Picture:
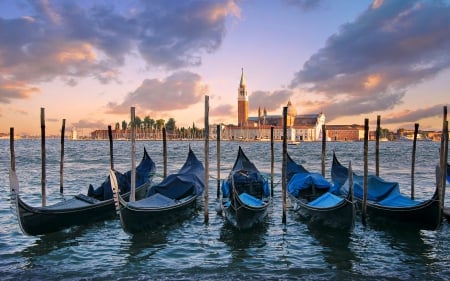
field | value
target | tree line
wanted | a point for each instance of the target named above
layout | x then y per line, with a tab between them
149	124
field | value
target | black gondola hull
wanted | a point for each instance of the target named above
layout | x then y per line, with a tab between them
426	215
42	220
340	216
244	217
136	220
173	200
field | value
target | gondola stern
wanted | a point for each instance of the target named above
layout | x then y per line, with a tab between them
20	207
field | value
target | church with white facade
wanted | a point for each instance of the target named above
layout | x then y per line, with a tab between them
303	127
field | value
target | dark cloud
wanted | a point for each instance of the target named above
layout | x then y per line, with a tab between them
372	61
178	91
52	120
175	33
305	5
223	110
73	40
414	115
15	90
89	124
334	108
269	100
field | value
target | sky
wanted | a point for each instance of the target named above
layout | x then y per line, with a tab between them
90	61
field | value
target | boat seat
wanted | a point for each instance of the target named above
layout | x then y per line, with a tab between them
250	200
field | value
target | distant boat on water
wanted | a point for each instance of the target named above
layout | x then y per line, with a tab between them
420	137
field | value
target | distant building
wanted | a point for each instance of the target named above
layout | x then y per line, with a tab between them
74	133
306	127
345	132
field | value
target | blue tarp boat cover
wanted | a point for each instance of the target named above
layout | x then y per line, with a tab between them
326	200
380	191
226	188
156	201
144	171
188	181
305	180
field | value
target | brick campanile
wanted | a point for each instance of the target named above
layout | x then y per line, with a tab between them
242	102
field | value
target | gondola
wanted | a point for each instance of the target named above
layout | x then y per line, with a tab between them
315	201
245	194
174	199
386	204
81	209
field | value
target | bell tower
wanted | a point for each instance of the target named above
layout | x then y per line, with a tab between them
242	102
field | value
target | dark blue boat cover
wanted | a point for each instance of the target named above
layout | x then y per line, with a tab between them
226	188
293	168
379	191
144	172
306	180
188	181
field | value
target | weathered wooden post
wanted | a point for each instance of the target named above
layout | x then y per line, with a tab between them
366	172
133	155
272	160
444	167
206	157
111	156
11	149
413	160
43	160
164	152
61	162
377	147
218	161
324	147
284	165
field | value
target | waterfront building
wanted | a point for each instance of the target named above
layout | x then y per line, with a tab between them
303	127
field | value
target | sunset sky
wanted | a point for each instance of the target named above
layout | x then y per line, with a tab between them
90	61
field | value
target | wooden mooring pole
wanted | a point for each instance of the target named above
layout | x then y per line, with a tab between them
324	148
164	152
218	161
133	155
365	186
377	146
444	167
206	158
111	149
61	162
11	149
284	164
413	160
43	160
272	160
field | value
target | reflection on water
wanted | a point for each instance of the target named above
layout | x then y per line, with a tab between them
144	246
239	240
336	248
